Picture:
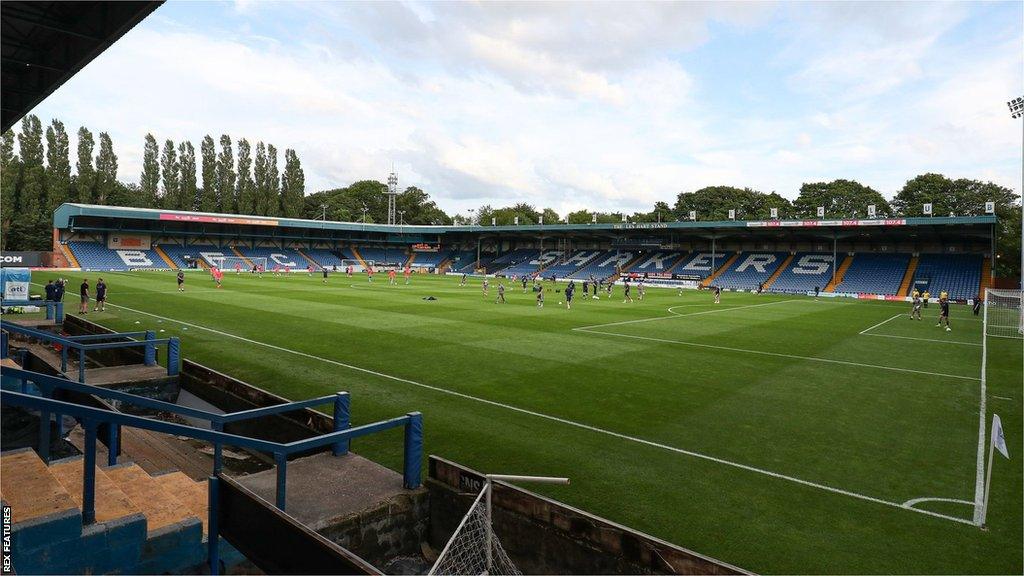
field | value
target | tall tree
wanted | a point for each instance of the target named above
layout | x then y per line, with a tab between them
106	175
262	201
226	177
293	186
840	198
149	181
85	178
171	171
187	180
206	199
31	225
273	183
10	172
245	188
58	166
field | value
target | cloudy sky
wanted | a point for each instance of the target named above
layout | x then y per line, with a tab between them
606	106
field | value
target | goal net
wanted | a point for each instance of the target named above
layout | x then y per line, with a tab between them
229	263
474	549
1003	317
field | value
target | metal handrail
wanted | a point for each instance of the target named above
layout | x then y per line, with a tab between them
92	418
47	384
150	342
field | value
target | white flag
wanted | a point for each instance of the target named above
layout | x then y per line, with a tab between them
998	440
732	214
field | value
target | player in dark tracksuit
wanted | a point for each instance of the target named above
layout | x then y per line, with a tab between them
569	291
977	304
101	296
944	313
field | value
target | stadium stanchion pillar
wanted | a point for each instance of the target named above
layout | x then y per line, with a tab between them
150	348
112	447
281	459
173	356
213	525
81	365
58	316
218	448
44	428
342	421
89	474
413	453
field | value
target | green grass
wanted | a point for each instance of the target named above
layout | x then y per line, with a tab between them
741	382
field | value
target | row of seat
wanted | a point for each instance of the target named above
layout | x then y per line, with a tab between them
957	274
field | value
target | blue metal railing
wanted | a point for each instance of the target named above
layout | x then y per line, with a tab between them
83	344
338	440
54	309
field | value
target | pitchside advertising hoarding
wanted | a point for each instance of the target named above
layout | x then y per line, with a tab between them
14	283
18	259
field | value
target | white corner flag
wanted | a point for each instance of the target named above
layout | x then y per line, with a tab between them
998	440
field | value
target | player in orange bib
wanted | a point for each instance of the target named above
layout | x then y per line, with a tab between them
408	273
391	276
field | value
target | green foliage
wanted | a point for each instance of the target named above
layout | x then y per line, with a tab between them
225	195
293	186
272	199
263	199
171	176
149	182
107	185
58	166
30	228
187	182
85	179
206	198
841	199
245	188
10	174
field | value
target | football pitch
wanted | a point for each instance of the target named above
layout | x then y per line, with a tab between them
777	433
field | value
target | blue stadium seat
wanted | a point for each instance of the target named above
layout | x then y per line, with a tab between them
324	257
570	263
701	263
530	265
807	270
604	266
96	256
177	252
750	269
657	262
871	273
958	274
283	257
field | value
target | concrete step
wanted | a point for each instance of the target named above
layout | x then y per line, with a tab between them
111	502
194	494
160	507
30	489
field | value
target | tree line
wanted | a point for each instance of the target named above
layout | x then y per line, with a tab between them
38	178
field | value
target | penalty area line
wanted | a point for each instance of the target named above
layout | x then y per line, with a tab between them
572	423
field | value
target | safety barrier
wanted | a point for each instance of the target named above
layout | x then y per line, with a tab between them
88	342
54	309
93	418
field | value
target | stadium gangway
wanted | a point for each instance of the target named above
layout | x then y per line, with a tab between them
93	418
54	308
85	343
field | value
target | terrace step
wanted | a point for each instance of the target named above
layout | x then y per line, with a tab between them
160	507
308	259
778	271
30	489
831	286
163	255
707	281
248	263
194	494
111	502
69	255
908	277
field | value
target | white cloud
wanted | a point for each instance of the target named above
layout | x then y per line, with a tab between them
564	105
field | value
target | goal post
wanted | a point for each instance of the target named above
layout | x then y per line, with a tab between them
474	548
1003	317
228	263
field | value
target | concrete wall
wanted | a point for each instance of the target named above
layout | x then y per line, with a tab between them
543	536
386	531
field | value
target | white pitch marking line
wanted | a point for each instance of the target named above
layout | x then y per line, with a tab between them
922	339
674	315
911	503
567	422
780	355
1001	397
880	323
